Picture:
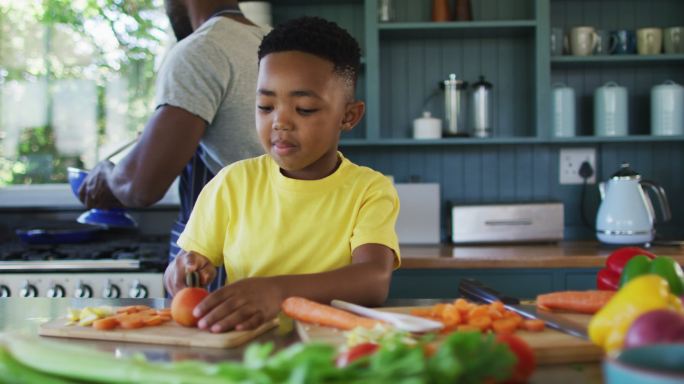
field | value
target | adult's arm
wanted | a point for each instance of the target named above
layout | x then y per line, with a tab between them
143	176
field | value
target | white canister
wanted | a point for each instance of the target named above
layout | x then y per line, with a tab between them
610	110
427	127
667	109
563	114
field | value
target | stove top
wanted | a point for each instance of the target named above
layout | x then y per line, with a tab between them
138	252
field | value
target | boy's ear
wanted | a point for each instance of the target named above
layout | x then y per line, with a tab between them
353	114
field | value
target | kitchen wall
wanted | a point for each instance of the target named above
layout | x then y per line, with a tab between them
476	174
405	59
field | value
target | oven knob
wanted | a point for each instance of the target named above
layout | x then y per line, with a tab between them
29	290
111	291
83	291
138	290
56	291
5	291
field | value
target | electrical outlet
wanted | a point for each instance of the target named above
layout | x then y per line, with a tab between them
570	161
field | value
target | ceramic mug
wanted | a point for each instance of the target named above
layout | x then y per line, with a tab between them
667	109
563	116
673	40
610	110
603	43
649	41
557	40
583	41
622	42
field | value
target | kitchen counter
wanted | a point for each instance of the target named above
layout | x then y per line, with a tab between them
544	255
25	315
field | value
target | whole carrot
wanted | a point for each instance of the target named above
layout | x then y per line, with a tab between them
575	301
309	311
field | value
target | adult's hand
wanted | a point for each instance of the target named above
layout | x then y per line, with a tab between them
95	192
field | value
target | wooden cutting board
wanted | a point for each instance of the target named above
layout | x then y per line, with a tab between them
549	346
169	333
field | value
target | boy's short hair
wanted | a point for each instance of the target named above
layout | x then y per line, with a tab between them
318	37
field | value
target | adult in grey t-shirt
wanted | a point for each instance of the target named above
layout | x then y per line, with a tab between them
212	74
204	118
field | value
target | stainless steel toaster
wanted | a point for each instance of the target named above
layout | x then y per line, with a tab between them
506	223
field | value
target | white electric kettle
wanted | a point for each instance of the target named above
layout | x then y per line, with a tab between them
626	214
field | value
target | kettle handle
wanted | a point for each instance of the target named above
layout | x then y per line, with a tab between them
659	192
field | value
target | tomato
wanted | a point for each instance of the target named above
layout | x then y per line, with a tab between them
355	353
526	363
618	258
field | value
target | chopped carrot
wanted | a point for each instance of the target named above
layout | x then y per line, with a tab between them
463	305
133	309
129	309
505	325
513	315
437	310
479	311
575	301
106	324
132	322
451	315
499	306
152	320
534	325
309	311
481	322
495	313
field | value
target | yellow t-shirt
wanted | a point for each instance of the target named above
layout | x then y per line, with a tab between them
261	223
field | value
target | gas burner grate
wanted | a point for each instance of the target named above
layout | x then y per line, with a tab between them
153	251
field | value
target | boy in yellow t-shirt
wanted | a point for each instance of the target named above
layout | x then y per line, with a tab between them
301	220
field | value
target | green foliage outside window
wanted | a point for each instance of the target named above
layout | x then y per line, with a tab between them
137	28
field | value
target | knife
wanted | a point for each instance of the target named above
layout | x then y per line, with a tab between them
477	291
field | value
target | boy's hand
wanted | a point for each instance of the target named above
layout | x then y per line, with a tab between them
174	277
243	305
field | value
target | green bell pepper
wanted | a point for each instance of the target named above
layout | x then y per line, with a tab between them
663	266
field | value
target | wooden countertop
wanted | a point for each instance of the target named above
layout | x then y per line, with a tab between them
546	255
22	315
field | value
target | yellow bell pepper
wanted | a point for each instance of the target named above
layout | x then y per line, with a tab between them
645	293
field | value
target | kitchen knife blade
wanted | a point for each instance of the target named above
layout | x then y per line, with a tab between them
476	290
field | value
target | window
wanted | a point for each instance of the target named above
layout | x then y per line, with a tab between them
76	82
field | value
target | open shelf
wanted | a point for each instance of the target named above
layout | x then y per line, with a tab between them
617	139
460	29
455	141
616	59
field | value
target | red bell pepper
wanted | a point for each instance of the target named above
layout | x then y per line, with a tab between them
619	258
608	278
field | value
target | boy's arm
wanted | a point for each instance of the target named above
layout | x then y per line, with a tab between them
365	281
247	303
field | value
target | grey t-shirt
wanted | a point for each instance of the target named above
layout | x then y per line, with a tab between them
212	73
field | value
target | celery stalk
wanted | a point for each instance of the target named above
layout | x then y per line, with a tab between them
80	363
13	372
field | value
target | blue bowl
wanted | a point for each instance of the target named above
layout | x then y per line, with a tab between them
109	218
76	177
650	364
